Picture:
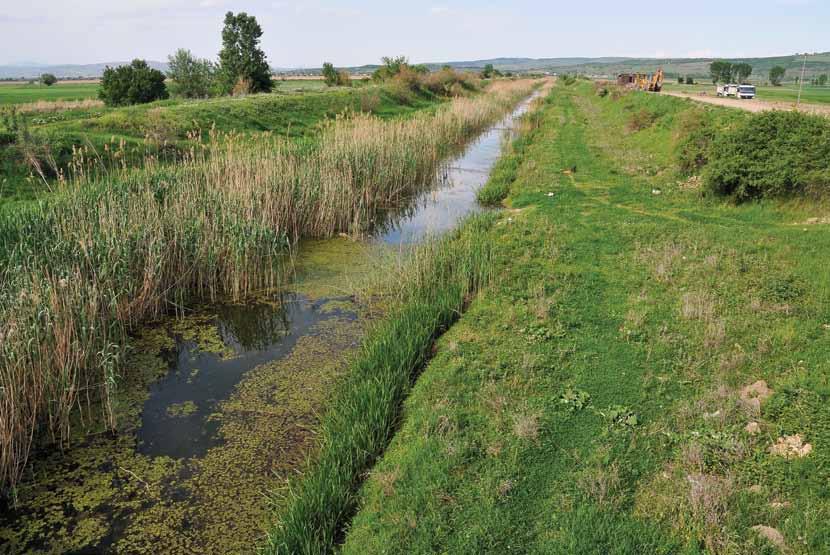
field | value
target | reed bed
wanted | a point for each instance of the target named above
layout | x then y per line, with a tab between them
78	271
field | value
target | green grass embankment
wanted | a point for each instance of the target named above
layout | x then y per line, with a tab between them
594	398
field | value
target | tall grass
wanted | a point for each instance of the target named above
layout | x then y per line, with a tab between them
440	277
79	270
45	106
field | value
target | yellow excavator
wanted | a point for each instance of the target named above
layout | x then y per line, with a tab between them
650	83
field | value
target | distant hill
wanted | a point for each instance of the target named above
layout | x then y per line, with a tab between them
611	66
605	66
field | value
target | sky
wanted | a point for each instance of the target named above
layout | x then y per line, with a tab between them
357	32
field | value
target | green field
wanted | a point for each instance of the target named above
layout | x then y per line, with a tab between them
785	93
594	399
19	93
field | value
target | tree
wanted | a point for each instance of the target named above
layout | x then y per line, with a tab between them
136	83
391	68
776	74
488	71
48	79
742	71
190	76
690	80
329	74
242	61
822	80
721	71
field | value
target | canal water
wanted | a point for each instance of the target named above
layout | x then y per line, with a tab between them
227	401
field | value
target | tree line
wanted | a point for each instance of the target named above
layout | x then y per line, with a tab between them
242	69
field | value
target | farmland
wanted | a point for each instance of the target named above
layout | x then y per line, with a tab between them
19	93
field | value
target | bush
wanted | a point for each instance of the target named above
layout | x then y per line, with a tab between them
771	155
344	78
136	83
48	79
190	76
400	92
329	74
696	131
567	80
641	119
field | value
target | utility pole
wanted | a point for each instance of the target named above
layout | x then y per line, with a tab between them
801	82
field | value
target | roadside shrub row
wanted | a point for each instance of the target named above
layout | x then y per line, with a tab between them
739	155
773	154
79	270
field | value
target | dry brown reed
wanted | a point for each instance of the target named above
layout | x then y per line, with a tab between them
46	106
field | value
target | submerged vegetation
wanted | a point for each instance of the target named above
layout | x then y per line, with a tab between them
105	254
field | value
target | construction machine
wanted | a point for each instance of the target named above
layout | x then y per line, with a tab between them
650	83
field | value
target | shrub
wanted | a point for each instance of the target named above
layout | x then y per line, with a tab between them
136	83
329	74
695	131
241	88
771	154
344	78
400	92
190	76
567	80
369	102
48	79
641	119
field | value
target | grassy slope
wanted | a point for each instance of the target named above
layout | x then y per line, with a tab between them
21	93
587	402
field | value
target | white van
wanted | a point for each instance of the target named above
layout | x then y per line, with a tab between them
737	91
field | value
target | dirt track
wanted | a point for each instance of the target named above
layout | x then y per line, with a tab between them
754	105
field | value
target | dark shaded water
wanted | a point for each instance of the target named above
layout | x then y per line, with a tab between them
176	418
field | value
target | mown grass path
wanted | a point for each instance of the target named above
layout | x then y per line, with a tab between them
591	400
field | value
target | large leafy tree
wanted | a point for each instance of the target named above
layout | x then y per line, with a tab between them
241	60
136	83
190	76
776	74
742	71
721	71
48	79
